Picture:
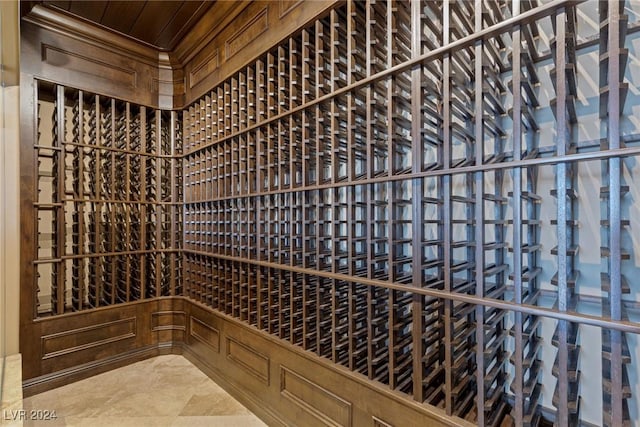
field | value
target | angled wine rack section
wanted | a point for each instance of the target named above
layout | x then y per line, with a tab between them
108	214
403	189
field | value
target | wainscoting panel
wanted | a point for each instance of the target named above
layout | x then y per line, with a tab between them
287	386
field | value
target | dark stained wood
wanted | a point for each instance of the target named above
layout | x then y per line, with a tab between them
186	71
266	317
91	10
104	337
91	341
81	65
240	22
101	340
206	29
63	4
26	6
303	389
184	18
157	23
153	19
121	15
30	332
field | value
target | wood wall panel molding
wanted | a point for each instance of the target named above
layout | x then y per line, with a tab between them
204	69
170	84
247	34
168	320
94	67
212	23
165	86
286	6
76	63
215	48
324	395
377	422
260	25
328	408
76	373
204	333
325	387
252	399
68	26
77	345
252	361
85	338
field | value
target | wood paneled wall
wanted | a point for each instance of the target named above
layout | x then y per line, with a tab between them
349	255
67	348
58	48
286	385
86	59
246	30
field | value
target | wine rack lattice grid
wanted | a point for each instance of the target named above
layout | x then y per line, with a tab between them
403	188
108	216
438	196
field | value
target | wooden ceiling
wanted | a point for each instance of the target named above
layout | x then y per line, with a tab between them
161	24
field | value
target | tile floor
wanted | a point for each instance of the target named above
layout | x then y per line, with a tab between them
162	391
11	388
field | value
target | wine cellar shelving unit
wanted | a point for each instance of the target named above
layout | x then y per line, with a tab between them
108	216
375	190
437	196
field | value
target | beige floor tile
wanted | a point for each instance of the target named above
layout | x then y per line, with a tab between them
150	402
58	422
120	422
64	403
162	391
213	404
12	386
219	421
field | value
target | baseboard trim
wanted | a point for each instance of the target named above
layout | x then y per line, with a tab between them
47	382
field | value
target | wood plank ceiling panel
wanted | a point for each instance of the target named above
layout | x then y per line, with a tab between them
184	19
153	19
121	15
61	4
157	23
91	10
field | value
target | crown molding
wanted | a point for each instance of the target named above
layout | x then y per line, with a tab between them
215	29
80	29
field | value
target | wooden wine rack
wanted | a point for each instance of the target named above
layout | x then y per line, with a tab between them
613	92
399	188
346	168
108	216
